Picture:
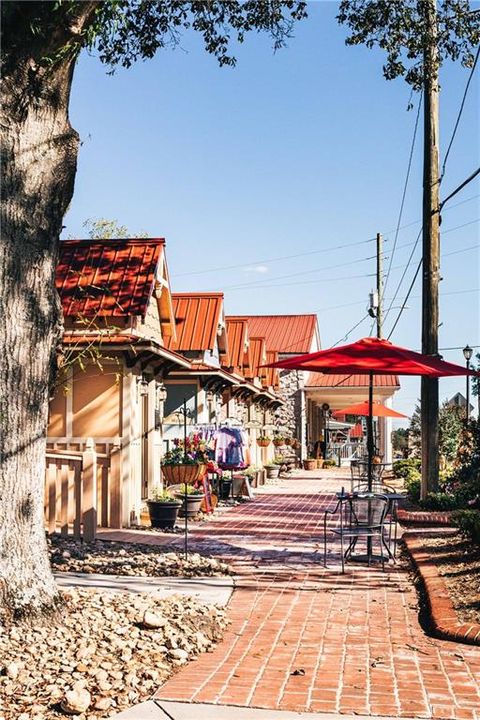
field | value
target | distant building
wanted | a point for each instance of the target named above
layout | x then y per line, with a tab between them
459	401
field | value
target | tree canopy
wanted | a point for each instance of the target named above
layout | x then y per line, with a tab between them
402	30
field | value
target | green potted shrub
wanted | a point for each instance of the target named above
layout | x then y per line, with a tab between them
163	509
251	472
191	498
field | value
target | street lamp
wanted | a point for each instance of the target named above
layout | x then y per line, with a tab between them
467	354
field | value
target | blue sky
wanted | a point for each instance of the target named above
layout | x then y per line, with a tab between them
296	153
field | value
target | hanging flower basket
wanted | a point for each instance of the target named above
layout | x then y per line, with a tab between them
278	442
178	474
263	442
288	441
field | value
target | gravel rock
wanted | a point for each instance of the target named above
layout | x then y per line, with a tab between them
99	649
76	701
115	558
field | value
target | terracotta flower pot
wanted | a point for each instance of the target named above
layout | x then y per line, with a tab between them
263	443
309	464
179	474
278	443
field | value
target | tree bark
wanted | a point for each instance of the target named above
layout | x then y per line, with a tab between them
39	155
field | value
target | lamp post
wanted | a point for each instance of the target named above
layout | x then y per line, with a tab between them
467	354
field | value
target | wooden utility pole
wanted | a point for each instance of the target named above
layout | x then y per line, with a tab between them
379	284
431	252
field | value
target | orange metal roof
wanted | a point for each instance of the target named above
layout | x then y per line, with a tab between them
356	431
107	277
197	317
284	333
273	376
326	380
258	357
237	338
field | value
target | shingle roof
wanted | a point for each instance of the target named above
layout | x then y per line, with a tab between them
197	317
107	277
329	381
292	334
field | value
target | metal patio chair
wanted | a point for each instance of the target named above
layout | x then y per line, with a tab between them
360	516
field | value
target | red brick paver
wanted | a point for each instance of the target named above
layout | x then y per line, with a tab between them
307	638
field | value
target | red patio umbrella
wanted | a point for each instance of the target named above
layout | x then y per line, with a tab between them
362	408
371	356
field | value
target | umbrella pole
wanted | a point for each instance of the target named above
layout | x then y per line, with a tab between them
370	430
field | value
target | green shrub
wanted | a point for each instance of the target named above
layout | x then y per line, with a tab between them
468	522
413	489
329	463
404	468
439	501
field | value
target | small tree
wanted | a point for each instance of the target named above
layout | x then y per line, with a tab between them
451	423
400	440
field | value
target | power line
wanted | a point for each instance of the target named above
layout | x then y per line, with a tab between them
277	259
462	104
399	285
344	337
405	186
406	298
460	187
332	248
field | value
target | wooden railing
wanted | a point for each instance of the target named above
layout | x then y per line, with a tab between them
83	490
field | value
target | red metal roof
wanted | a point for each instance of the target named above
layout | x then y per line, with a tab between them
197	317
107	277
237	338
284	333
332	381
258	357
273	376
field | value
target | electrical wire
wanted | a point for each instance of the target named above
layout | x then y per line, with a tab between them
345	337
406	299
332	248
460	187
457	122
404	194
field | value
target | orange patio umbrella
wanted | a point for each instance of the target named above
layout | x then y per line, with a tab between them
362	408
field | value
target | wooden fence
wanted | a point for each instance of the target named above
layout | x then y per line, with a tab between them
83	490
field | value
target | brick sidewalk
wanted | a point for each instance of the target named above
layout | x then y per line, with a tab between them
306	638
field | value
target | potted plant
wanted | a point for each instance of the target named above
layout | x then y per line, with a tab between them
251	472
263	440
272	470
163	509
278	440
310	464
191	498
185	464
288	441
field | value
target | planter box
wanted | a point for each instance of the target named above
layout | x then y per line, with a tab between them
179	474
163	514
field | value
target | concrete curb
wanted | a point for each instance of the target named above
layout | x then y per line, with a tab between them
442	613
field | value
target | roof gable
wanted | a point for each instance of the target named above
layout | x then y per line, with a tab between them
292	334
107	277
237	333
198	319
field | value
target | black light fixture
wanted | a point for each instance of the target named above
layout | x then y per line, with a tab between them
467	354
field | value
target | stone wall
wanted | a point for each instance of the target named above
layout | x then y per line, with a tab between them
289	414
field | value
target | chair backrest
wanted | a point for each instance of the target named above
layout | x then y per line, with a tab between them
377	487
369	509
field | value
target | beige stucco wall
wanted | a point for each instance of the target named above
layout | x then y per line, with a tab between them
57	426
96	402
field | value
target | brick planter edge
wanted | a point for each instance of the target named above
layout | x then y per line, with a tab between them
442	613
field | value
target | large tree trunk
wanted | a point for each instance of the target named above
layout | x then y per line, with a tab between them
39	164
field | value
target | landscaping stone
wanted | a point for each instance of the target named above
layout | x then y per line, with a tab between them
98	656
115	558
